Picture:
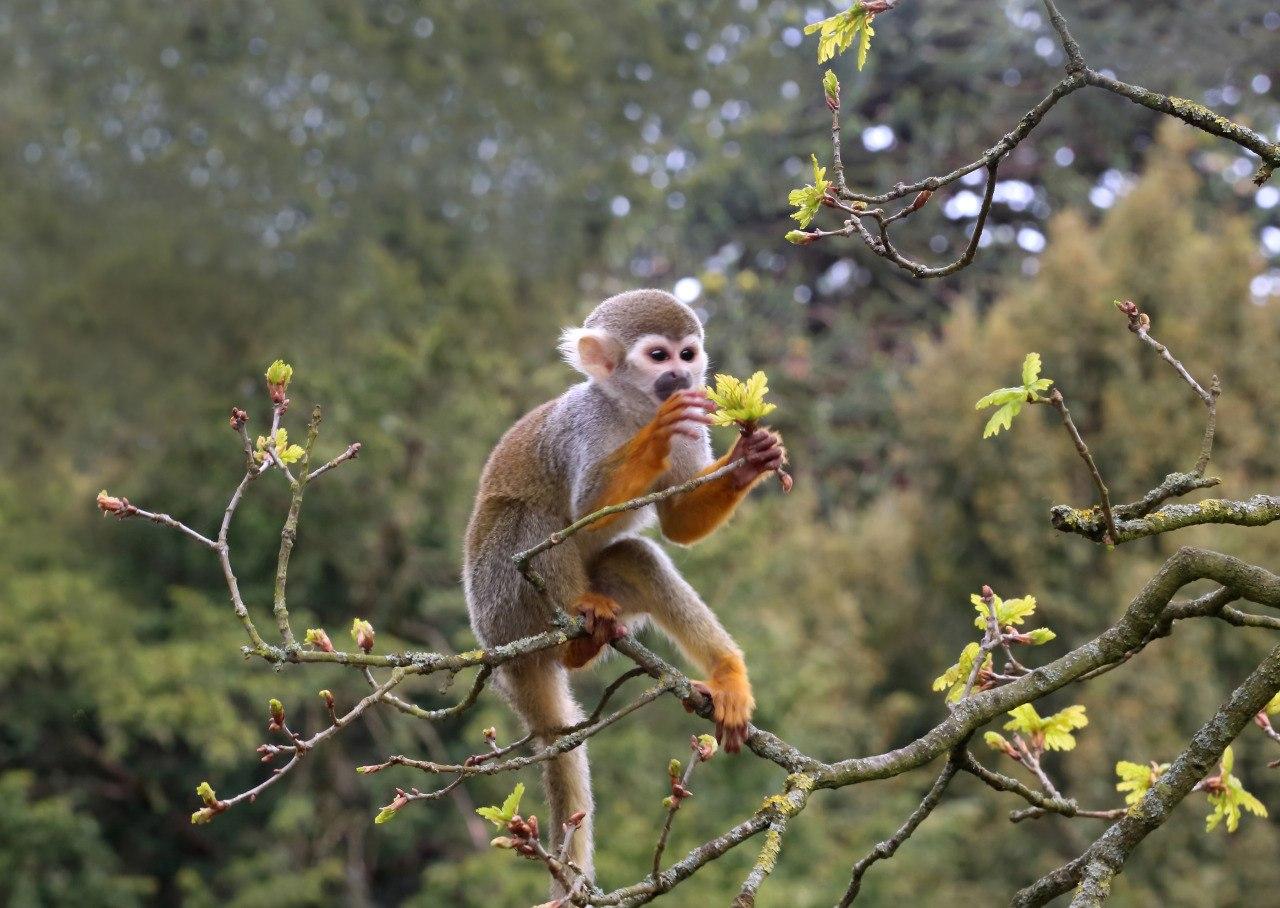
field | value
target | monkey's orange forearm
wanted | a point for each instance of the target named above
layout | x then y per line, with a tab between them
634	468
688	517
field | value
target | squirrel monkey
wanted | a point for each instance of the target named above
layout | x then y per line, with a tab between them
637	424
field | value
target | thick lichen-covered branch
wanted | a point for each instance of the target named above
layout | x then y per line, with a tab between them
1094	869
1186	565
1257	511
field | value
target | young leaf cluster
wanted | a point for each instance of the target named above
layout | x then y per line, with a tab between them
1009	613
1229	799
286	452
740	403
808	199
1048	732
839	32
279	373
1136	779
501	816
1009	401
954	678
831	88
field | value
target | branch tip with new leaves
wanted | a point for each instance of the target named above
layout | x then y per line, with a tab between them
1010	401
836	34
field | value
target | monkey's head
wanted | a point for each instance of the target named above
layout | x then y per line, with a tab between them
642	342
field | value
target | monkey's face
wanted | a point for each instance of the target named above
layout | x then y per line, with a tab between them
660	366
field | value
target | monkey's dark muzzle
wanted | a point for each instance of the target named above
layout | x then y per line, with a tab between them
669	383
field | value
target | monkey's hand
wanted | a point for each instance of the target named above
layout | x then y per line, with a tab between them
634	467
683	413
730	694
764	453
601	613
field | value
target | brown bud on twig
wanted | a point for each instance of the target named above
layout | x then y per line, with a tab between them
1138	320
919	201
575	819
802	238
238	418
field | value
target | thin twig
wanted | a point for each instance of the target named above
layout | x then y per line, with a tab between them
555	748
352	452
886	849
522	559
1057	402
676	801
304	747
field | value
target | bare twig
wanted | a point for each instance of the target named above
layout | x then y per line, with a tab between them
560	745
1057	402
352	452
886	849
301	747
676	801
1040	804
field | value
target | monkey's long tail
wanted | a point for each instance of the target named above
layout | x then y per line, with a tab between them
567	782
538	690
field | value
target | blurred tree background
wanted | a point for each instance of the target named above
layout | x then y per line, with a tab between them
406	200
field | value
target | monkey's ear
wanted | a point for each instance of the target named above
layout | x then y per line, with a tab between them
596	354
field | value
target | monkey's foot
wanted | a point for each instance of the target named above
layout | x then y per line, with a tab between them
731	698
603	626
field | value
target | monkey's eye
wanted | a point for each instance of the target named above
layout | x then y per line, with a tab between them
687	354
658	355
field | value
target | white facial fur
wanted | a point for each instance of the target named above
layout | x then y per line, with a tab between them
600	357
654	356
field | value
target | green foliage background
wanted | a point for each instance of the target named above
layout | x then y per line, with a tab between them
406	201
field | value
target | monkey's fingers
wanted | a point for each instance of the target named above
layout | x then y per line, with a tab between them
681	399
766	460
701	688
685	421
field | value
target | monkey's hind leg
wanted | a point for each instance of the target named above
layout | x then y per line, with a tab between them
537	688
641	577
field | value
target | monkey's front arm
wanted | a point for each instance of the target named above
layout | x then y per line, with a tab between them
632	470
688	517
